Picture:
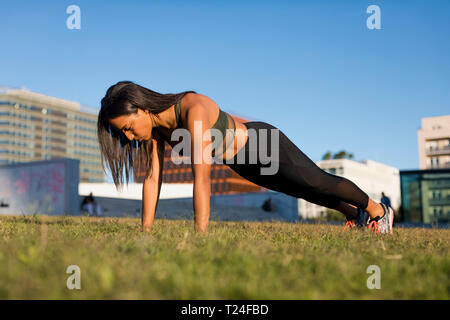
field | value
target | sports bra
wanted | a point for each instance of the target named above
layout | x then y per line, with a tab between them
221	124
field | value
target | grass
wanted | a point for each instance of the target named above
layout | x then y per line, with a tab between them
235	260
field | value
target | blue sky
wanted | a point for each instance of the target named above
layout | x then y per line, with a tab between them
311	68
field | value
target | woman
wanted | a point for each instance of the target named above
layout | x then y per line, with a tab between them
134	122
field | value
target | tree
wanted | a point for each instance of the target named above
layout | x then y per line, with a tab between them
338	155
327	156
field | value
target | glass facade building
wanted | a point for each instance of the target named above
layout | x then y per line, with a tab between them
425	196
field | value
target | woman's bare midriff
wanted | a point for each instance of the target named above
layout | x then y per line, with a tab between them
241	134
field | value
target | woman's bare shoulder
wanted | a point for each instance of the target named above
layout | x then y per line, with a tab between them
194	99
206	104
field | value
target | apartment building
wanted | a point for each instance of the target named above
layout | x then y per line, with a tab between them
371	176
434	143
35	126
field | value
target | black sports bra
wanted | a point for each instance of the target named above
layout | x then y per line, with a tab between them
221	124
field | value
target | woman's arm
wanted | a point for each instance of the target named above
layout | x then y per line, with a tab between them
198	126
152	186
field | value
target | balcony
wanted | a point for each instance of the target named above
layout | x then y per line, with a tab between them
439	184
438	151
444	165
439	202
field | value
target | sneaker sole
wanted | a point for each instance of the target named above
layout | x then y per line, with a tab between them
391	220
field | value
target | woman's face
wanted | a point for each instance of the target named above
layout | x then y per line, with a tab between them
134	126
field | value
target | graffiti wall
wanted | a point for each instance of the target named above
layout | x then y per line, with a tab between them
40	187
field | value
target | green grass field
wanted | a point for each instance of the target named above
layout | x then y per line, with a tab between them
235	260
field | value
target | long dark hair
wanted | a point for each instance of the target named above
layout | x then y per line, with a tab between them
124	98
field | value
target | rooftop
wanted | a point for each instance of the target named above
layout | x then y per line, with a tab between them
31	96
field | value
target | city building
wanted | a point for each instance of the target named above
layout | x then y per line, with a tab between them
434	143
372	177
35	126
426	195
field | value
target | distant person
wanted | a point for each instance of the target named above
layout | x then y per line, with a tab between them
92	207
385	199
135	123
268	206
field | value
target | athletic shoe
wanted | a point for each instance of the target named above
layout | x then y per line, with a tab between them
382	224
349	224
359	221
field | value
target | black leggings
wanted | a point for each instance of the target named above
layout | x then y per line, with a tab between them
297	175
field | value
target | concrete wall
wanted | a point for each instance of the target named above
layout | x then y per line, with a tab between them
285	206
43	187
237	207
133	190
